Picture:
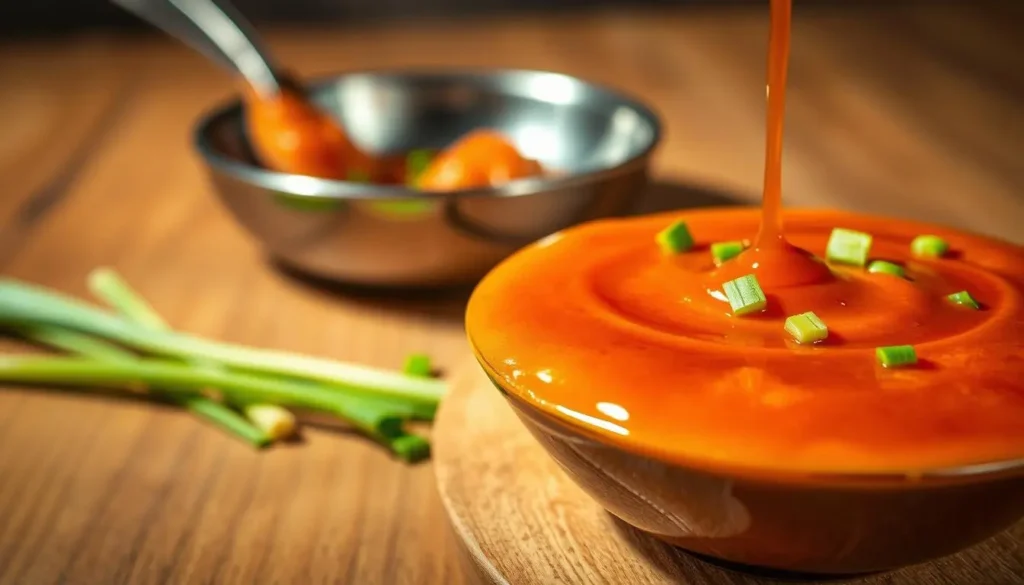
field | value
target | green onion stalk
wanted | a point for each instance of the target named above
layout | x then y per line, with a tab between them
105	284
177	378
375	402
89	347
277	422
22	304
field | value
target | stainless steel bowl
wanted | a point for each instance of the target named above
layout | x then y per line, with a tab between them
597	140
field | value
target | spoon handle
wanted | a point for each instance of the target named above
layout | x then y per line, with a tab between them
216	29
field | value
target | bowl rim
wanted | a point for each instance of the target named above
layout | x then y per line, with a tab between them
970	472
314	187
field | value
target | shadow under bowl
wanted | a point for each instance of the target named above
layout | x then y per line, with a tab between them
598	141
823	525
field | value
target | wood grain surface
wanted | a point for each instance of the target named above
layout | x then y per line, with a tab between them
522	521
912	111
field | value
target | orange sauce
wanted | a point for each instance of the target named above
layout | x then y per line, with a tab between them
291	135
482	158
595	326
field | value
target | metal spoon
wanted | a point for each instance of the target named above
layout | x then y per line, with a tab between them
216	29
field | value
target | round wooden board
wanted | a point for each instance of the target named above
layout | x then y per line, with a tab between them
521	521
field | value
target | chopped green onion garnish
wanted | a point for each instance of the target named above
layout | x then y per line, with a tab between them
418	364
964	298
745	295
357	176
806	328
416	162
883	267
896	356
928	245
675	238
848	247
722	251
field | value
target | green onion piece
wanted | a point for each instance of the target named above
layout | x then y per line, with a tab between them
403	208
896	356
883	267
278	423
722	251
357	176
848	247
928	245
418	364
416	162
675	238
806	328
964	298
745	295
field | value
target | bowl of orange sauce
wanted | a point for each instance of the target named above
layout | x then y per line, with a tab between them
810	391
424	177
722	433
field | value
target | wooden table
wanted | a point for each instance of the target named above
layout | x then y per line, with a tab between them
907	111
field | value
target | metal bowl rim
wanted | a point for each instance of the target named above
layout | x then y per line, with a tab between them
306	186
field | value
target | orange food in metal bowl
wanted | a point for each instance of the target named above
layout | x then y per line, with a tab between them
482	158
291	135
